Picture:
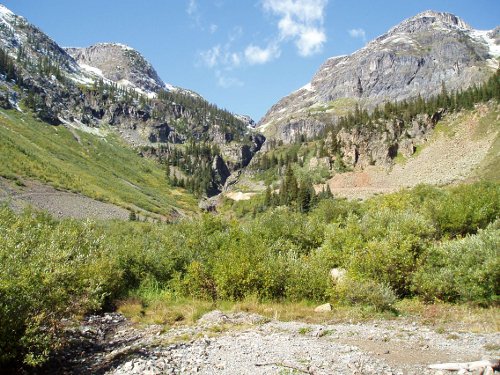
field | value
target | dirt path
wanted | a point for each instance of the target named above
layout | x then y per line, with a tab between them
61	204
241	343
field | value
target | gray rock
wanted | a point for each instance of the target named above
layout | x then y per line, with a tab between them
118	63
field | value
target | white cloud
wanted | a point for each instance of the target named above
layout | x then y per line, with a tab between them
225	81
311	42
211	57
213	28
301	21
358	33
192	7
257	55
220	57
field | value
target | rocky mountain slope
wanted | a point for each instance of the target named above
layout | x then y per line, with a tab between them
118	63
414	58
112	85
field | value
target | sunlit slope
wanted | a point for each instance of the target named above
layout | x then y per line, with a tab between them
99	166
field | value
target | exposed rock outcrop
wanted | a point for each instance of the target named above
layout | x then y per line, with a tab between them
364	146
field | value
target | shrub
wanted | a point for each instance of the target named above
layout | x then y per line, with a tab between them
384	246
308	277
465	209
49	270
466	269
364	292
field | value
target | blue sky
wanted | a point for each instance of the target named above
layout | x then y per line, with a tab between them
243	55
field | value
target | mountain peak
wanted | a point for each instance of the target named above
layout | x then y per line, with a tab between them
4	11
431	18
413	58
118	63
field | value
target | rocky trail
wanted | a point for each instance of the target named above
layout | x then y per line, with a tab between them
243	343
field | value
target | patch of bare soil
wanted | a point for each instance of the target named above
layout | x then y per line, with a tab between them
60	204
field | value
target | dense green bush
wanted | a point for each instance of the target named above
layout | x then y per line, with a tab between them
466	269
383	246
465	209
368	292
405	244
48	271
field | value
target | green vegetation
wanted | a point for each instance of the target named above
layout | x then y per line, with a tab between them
99	167
194	161
428	243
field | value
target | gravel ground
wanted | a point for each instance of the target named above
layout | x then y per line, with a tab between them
60	204
241	343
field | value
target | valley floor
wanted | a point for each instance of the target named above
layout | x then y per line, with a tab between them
244	343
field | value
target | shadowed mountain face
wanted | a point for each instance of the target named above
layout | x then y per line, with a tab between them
414	58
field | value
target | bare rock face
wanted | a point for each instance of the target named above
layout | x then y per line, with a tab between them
414	58
118	63
363	146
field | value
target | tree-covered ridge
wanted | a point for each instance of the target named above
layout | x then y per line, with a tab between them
205	113
198	114
191	168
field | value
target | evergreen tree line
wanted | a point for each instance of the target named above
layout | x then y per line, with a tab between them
7	66
205	113
300	196
270	160
195	163
407	110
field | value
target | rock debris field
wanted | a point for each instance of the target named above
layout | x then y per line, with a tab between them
243	343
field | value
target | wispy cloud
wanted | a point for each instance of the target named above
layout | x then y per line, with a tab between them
225	80
213	28
211	57
193	12
358	33
300	21
222	56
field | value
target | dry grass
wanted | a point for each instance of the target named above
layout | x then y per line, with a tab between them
164	312
452	317
440	316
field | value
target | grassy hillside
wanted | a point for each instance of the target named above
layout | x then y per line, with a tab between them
100	167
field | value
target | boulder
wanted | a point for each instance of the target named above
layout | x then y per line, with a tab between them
323	308
338	275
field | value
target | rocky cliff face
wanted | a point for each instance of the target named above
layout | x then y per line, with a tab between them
118	63
363	146
415	57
